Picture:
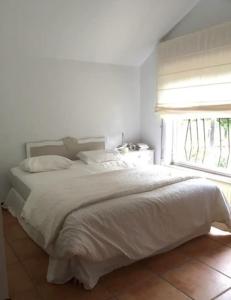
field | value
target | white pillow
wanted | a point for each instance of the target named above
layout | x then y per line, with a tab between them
97	156
45	163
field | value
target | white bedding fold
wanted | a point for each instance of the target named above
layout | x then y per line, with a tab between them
47	208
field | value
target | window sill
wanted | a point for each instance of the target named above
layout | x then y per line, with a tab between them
212	176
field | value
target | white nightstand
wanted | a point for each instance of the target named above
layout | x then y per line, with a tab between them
138	158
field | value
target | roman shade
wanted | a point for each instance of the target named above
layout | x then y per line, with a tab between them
194	72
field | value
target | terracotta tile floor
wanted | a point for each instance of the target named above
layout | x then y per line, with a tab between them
199	269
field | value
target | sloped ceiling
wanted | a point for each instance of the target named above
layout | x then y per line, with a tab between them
107	31
205	14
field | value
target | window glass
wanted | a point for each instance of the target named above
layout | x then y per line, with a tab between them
203	142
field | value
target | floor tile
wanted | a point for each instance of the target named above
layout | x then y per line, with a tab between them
185	268
18	279
70	291
10	256
198	280
27	295
36	268
210	252
26	248
196	246
225	296
164	262
156	289
123	278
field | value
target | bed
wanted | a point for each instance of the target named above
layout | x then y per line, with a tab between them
94	218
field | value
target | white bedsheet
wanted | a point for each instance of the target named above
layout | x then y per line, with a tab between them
23	183
34	180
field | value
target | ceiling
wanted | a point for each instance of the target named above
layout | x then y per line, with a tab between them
120	32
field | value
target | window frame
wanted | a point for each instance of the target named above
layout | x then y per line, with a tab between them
191	165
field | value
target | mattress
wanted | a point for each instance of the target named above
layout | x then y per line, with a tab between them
18	182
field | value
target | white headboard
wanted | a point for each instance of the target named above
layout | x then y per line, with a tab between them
68	146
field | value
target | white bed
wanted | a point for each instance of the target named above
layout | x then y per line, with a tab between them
101	236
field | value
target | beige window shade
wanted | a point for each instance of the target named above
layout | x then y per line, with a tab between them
194	72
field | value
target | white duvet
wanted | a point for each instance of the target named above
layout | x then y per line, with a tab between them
47	208
127	213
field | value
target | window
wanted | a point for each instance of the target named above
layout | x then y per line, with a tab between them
194	83
203	143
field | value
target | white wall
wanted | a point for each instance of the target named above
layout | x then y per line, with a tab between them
206	13
48	96
150	121
45	98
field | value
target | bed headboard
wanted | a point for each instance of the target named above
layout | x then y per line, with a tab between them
68	146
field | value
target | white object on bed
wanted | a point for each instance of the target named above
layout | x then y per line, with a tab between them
97	156
45	163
